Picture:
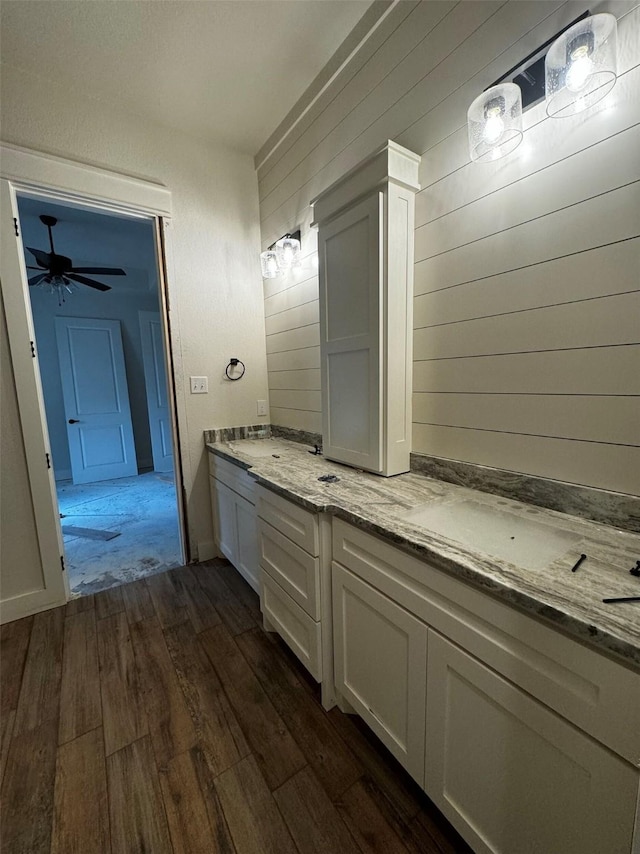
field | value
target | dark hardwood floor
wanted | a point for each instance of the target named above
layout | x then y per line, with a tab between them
160	717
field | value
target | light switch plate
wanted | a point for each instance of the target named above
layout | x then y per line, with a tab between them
199	385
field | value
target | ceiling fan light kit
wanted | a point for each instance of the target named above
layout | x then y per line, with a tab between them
57	274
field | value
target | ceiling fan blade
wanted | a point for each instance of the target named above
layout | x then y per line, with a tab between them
83	281
34	268
105	271
35	280
43	258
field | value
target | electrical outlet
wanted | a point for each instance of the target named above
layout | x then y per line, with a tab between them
262	407
199	385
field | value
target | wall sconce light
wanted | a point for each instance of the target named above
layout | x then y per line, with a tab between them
572	70
581	66
281	256
495	122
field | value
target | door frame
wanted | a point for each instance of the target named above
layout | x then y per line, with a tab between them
36	174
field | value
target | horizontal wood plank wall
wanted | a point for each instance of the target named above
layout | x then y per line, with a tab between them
527	270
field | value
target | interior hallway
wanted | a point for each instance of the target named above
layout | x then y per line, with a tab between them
160	717
142	510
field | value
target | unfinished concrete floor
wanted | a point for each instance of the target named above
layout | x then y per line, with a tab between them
142	510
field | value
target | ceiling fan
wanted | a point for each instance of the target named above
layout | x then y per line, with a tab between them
59	273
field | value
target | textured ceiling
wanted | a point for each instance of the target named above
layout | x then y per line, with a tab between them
223	70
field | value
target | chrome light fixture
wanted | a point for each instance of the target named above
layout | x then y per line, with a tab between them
494	122
581	66
288	252
281	256
269	264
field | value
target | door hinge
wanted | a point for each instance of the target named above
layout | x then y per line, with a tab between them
62	563
48	460
33	349
15	225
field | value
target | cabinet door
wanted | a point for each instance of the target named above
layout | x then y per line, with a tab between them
247	554
350	252
224	520
380	666
513	776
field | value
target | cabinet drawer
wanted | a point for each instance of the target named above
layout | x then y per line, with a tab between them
596	693
234	477
292	567
295	522
295	627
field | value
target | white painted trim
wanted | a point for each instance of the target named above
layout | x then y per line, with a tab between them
82	182
363	31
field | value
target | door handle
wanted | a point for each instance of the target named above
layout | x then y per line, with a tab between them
73	421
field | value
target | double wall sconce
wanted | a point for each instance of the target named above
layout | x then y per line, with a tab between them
281	256
577	71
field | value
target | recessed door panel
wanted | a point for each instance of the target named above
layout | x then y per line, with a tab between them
347	268
93	370
102	446
349	396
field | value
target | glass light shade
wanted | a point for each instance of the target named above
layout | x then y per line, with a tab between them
269	264
288	253
581	65
494	122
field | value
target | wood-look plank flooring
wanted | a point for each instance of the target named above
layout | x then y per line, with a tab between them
160	717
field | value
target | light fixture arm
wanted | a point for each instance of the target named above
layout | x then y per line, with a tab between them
296	235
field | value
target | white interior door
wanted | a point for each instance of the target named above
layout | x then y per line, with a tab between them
155	379
25	590
96	399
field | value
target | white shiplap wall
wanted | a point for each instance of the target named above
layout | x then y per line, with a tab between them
527	270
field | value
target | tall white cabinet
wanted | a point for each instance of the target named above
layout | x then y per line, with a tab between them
365	248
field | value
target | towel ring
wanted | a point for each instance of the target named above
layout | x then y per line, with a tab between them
232	364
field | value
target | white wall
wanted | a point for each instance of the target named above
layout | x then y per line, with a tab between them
216	289
527	270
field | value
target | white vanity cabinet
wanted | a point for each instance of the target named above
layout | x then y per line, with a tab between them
365	250
294	546
525	739
234	517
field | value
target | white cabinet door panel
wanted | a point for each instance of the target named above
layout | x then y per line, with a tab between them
381	666
349	252
224	519
511	775
247	556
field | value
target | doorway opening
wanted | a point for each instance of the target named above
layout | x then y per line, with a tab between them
94	288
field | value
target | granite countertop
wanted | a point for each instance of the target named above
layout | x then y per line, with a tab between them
570	600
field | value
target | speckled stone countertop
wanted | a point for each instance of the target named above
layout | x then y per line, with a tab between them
570	600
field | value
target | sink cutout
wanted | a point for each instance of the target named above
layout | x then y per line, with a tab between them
259	448
524	542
